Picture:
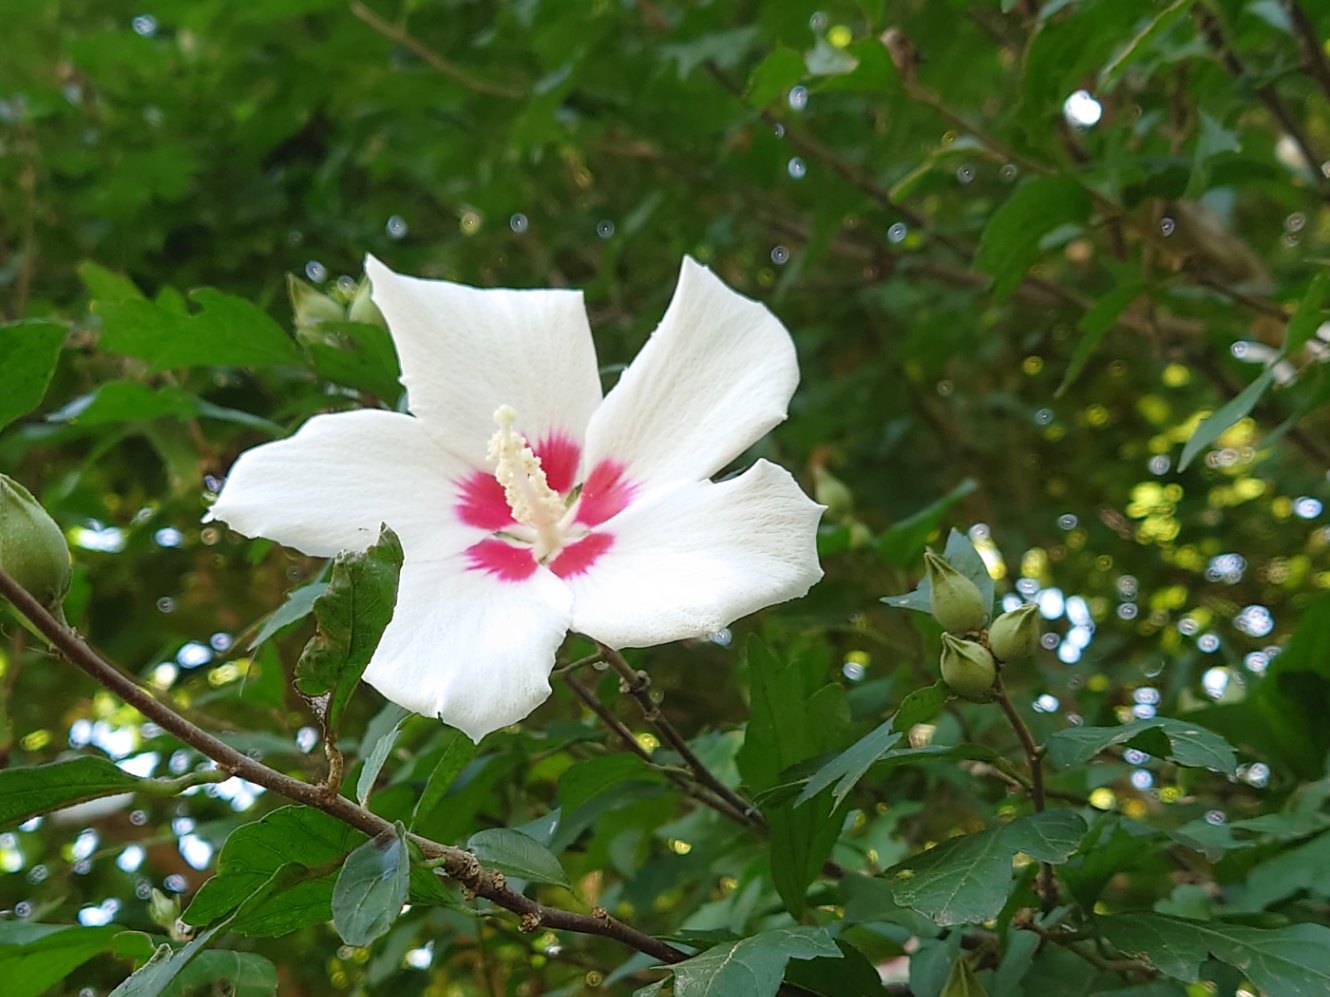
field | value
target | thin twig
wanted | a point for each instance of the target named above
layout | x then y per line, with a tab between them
457	863
638	684
1071	941
1208	25
431	58
1314	61
698	793
843	168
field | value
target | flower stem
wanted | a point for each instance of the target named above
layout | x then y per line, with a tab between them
1045	886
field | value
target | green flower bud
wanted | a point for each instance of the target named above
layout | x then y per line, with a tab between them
956	602
363	309
830	491
32	547
967	667
312	306
1015	635
163	910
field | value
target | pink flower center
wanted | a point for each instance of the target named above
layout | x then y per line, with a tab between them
536	510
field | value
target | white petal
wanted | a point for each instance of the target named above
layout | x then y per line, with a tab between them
715	375
465	351
690	559
329	487
469	648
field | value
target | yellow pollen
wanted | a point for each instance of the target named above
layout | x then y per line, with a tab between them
533	502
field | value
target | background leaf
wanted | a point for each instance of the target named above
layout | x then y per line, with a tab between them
371	888
29	350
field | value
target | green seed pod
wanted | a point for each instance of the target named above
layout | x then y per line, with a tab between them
1015	635
957	604
32	547
312	306
967	667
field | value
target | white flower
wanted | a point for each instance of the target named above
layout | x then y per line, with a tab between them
529	506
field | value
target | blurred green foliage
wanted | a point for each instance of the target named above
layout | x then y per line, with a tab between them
1026	252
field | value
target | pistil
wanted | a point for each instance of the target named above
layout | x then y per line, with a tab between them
534	503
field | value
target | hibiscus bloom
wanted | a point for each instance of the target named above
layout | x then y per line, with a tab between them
528	505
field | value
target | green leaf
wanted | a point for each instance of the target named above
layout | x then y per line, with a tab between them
1095	325
1051	836
1307	319
1140	44
246	974
123	401
962	556
752	967
29	351
920	706
1216	424
792	721
162	972
967	879
873	899
1211	140
299	604
369	772
457	752
372	887
1292	961
1010	243
35	957
902	544
517	854
959	881
961	981
589	779
360	356
781	69
107	285
352	615
850	974
1188	744
26	791
228	331
849	766
1066	49
254	852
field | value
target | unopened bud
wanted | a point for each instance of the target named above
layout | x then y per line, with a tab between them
363	309
312	306
830	491
967	667
32	549
163	910
1015	635
956	602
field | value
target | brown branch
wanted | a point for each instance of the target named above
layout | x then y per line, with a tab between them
457	863
431	58
1213	34
638	684
844	168
1314	62
1070	941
